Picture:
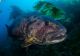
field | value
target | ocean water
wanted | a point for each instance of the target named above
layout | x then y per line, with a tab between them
69	47
5	8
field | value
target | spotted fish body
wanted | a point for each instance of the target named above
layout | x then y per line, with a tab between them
37	29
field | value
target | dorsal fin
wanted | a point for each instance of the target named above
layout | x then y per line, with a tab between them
16	12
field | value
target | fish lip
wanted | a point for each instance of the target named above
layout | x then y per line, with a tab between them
62	38
57	39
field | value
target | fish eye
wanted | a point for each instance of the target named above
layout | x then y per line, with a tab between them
46	23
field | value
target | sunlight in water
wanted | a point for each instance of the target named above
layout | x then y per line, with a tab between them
0	1
24	4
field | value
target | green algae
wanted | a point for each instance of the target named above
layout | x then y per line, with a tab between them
49	9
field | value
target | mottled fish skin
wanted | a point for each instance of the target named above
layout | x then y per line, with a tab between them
36	30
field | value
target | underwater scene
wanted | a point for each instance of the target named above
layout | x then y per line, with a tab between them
39	27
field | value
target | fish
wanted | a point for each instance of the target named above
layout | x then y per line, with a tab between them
37	29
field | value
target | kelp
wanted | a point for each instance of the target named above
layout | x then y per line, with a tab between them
49	9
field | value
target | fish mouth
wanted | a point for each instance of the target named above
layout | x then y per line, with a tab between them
61	39
59	36
55	38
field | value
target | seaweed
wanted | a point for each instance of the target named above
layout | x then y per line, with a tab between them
48	9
